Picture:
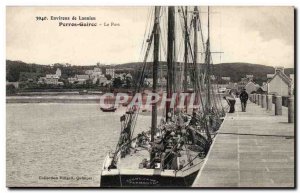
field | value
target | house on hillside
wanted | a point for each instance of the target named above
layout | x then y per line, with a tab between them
248	84
95	76
51	78
58	72
15	84
249	76
89	72
280	83
110	71
82	78
102	80
262	89
225	80
251	87
72	80
149	82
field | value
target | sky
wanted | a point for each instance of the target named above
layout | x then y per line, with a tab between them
261	35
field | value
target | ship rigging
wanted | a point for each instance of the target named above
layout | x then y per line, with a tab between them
172	152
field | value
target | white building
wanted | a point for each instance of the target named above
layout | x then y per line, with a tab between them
15	84
269	76
89	72
51	78
97	70
95	74
102	80
264	87
227	78
280	83
250	87
111	72
72	80
249	76
128	76
82	78
58	72
149	82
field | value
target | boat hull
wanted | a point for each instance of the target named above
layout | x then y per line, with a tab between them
108	110
142	180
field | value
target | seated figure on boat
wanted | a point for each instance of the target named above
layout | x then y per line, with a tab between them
142	139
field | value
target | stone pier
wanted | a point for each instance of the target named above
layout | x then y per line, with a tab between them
252	149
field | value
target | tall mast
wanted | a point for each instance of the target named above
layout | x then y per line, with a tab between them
156	31
185	56
155	70
185	49
195	36
207	59
170	50
208	63
195	54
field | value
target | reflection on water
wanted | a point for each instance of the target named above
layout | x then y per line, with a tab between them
55	144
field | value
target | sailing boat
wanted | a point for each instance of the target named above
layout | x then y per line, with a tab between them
109	109
110	102
171	153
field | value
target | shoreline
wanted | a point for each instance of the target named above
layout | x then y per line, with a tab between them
54	99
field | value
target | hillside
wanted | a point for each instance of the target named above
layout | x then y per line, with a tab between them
236	71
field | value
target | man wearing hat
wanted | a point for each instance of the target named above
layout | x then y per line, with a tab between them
230	98
244	98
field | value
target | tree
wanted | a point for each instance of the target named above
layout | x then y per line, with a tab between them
10	89
108	77
117	82
128	82
97	81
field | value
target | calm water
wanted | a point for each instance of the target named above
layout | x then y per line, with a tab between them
60	144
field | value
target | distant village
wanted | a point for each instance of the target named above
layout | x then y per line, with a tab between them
277	84
95	77
111	77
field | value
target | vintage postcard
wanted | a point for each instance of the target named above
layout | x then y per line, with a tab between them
150	96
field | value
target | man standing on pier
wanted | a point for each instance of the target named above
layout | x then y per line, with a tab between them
244	98
230	98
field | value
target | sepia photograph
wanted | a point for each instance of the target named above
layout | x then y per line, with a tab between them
191	97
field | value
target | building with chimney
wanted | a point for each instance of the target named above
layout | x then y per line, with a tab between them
51	78
248	84
251	87
280	83
111	72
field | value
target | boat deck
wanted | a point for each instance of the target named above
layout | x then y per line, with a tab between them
133	160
